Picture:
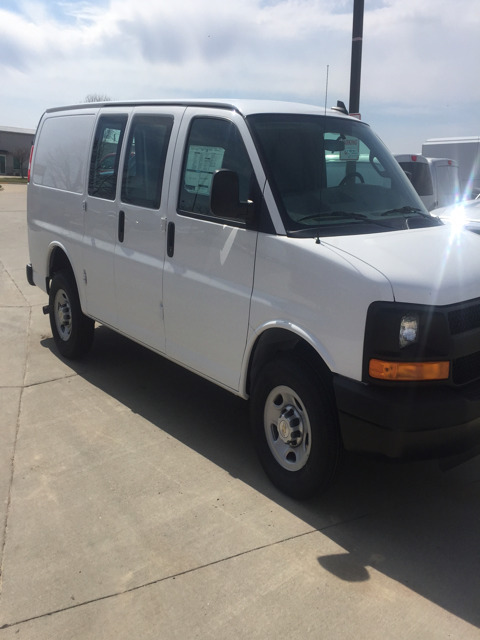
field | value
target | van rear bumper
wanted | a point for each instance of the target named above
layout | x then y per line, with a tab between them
415	422
29	270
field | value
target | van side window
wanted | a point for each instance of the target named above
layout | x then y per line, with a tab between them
60	159
102	181
212	144
144	162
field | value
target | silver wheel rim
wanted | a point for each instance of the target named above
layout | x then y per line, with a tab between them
287	428
63	315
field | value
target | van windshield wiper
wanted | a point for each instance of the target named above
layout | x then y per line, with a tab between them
406	209
334	214
430	220
345	216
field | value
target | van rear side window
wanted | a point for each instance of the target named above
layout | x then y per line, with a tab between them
103	174
144	162
60	151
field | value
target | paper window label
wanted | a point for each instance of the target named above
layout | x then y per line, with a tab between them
202	162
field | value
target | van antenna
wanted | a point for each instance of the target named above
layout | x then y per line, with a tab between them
326	90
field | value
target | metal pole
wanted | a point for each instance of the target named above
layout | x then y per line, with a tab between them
356	64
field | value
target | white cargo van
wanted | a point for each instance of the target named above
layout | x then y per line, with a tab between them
434	179
276	249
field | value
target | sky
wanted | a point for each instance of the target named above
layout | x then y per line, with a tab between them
420	58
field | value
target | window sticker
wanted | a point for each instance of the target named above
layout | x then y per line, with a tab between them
351	150
202	162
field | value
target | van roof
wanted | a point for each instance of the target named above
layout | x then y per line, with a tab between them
417	157
410	157
245	107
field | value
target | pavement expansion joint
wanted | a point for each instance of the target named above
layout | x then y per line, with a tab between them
181	573
159	580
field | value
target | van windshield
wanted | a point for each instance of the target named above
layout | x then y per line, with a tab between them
333	176
420	176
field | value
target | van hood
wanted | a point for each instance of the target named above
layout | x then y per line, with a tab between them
462	214
435	265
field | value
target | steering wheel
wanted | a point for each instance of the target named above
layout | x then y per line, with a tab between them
351	176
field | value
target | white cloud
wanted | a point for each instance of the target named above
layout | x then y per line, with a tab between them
419	58
423	53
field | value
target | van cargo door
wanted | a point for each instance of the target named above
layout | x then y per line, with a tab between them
140	248
101	217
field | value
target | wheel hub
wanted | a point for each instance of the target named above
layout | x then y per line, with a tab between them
287	428
64	314
290	426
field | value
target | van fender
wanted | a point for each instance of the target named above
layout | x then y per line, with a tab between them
59	257
277	335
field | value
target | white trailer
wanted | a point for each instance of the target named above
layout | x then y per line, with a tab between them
466	151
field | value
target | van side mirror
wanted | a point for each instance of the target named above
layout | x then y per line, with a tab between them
225	197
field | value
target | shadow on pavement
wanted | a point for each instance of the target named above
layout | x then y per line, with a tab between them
412	522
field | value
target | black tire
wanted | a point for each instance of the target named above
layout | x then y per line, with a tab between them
72	330
295	427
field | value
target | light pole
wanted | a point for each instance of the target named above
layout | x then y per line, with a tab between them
356	63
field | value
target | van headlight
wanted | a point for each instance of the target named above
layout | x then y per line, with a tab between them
408	330
405	343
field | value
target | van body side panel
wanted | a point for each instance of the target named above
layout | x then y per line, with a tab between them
56	191
318	294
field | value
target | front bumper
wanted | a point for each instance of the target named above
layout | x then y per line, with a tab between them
408	422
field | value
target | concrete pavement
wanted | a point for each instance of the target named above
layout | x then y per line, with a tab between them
132	506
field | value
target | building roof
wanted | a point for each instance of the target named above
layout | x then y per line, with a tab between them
16	130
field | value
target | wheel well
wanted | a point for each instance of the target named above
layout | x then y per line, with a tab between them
58	262
281	341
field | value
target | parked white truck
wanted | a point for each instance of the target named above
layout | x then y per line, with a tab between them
466	151
279	251
434	179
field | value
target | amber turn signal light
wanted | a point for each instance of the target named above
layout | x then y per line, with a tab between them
405	371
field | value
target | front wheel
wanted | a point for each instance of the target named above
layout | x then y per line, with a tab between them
72	330
295	427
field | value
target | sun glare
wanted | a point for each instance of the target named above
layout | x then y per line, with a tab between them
458	219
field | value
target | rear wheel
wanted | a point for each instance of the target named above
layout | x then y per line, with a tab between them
72	330
295	427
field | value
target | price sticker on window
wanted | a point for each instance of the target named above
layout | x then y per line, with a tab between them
351	149
202	162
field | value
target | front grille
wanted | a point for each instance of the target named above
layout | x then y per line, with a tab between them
466	369
464	326
465	319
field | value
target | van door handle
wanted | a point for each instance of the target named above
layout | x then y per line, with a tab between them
121	226
170	239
